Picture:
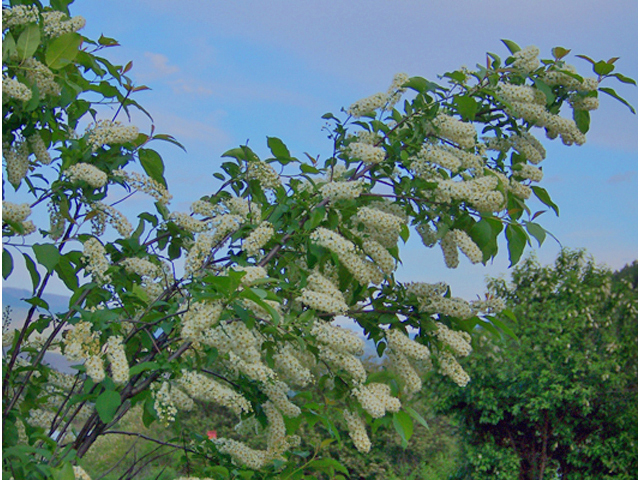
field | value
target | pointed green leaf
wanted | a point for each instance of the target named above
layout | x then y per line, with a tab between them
8	47
516	241
33	271
467	107
278	148
416	416
28	41
107	405
624	79
404	233
7	264
512	46
612	92
603	68
559	52
404	426
536	231
63	50
47	255
544	197
584	57
582	119
546	89
153	165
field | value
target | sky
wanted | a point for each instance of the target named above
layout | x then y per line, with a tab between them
227	73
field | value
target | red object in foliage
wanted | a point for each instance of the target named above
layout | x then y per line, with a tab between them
212	434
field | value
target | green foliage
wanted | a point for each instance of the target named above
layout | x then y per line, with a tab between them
563	396
233	303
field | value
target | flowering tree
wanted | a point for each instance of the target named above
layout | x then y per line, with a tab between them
233	302
564	398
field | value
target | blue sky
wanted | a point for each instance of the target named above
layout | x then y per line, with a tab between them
224	73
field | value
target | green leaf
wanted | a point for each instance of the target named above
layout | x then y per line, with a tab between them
306	168
418	84
63	50
502	326
612	92
512	46
153	165
8	48
28	41
559	52
404	426
65	472
416	416
7	264
33	271
584	57
107	405
47	255
235	153
404	233
67	273
170	139
624	79
536	231
603	68
582	119
517	240
278	148
544	197
315	219
107	42
141	367
467	107
546	89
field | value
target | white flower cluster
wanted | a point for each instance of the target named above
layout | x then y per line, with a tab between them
57	23
106	213
225	225
480	192
584	103
146	185
528	172
429	155
206	209
401	365
18	213
118	360
462	133
332	241
459	341
368	154
400	342
255	370
387	225
426	290
80	474
288	363
154	277
95	368
526	60
243	208
186	221
241	453
450	367
449	248
201	387
428	236
106	132
519	190
529	146
343	361
342	190
258	238
380	255
357	431
277	393
529	104
339	339
198	253
376	399
453	307
564	76
16	159
380	100
14	89
489	305
39	74
321	294
368	105
18	15
95	256
39	149
80	342
86	172
466	245
163	403
264	174
252	273
200	317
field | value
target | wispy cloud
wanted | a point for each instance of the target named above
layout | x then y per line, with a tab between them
626	177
